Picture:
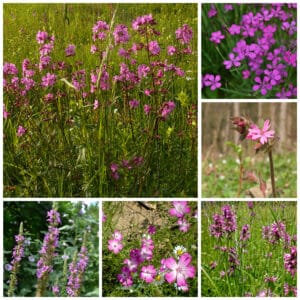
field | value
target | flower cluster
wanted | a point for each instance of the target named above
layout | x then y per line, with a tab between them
275	233
179	210
223	224
77	270
47	252
264	48
134	262
18	254
125	165
290	261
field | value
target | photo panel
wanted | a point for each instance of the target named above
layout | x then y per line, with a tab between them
51	248
149	248
249	150
249	50
249	249
100	100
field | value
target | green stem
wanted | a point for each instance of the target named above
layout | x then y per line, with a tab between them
272	173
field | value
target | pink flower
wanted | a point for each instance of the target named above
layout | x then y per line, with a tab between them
48	80
180	270
263	134
21	131
154	48
117	235
148	273
96	104
183	225
151	229
167	108
212	12
216	37
171	50
233	61
121	34
184	34
147	109
134	103
212	81
180	209
125	277
5	112
70	50
115	246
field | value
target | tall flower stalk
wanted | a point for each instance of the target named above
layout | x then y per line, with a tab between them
264	138
18	253
47	252
77	270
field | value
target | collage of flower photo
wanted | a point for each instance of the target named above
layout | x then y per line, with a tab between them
149	149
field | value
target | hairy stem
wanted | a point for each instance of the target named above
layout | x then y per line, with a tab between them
272	173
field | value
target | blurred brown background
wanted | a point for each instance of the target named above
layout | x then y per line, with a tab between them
217	128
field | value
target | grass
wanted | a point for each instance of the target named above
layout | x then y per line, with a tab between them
69	147
122	216
255	263
220	176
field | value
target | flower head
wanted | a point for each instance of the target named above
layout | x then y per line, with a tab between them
263	135
179	271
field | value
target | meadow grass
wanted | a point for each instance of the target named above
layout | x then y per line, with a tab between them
258	259
165	239
220	176
69	147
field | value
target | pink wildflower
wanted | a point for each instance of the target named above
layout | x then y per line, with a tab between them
263	134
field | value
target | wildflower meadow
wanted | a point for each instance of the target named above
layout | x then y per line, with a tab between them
249	50
100	100
51	249
249	249
149	249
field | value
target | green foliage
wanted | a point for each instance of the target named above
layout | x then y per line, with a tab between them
165	239
220	177
259	258
77	218
68	147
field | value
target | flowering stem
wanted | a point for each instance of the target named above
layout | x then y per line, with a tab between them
18	253
241	175
272	173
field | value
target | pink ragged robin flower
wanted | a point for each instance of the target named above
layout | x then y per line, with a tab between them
263	135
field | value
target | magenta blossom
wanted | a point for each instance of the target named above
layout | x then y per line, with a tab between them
216	37
151	229
154	48
184	225
233	61
21	131
180	209
212	81
148	273
121	34
134	103
263	134
70	50
117	235
115	246
179	271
